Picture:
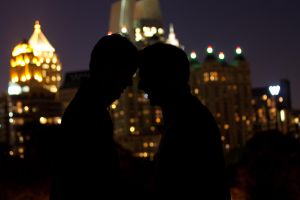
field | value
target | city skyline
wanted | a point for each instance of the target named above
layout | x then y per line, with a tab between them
266	31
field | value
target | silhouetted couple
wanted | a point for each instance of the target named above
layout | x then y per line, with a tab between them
190	163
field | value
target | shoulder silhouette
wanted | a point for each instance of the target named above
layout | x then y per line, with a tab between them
190	158
87	164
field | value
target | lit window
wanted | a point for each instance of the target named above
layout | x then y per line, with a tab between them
53	66
296	120
280	99
43	120
26	108
21	150
206	77
145	145
151	144
196	91
132	129
113	106
158	120
264	97
223	138
48	60
214	76
11	114
226	126
132	120
11	153
227	146
53	78
152	128
53	89
45	66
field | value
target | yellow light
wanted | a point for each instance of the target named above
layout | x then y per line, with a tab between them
21	139
226	126
53	66
137	30
54	60
158	120
26	108
193	55
11	153
152	128
48	60
161	31
21	150
282	115
227	146
244	118
53	78
15	79
57	120
280	99
58	78
38	77
264	97
132	129
154	30
113	106
145	145
151	144
23	78
296	120
45	66
43	120
22	156
53	89
37	25
196	91
145	154
28	76
58	68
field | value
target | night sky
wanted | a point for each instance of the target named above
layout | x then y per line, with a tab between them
267	30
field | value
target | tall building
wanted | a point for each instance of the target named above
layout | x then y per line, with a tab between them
34	62
226	90
273	111
137	124
35	75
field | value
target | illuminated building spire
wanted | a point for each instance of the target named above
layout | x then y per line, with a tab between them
39	42
172	37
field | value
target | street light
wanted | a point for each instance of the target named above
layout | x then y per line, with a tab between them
274	90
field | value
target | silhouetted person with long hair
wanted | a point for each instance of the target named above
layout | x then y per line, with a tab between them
86	163
190	160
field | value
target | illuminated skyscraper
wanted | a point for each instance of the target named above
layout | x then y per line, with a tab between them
226	90
35	62
35	75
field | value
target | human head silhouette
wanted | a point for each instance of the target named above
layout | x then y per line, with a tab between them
164	72
112	65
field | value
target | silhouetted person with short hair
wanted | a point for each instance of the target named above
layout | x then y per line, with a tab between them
86	164
190	160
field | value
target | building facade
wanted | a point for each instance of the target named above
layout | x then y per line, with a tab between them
226	90
35	76
273	111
